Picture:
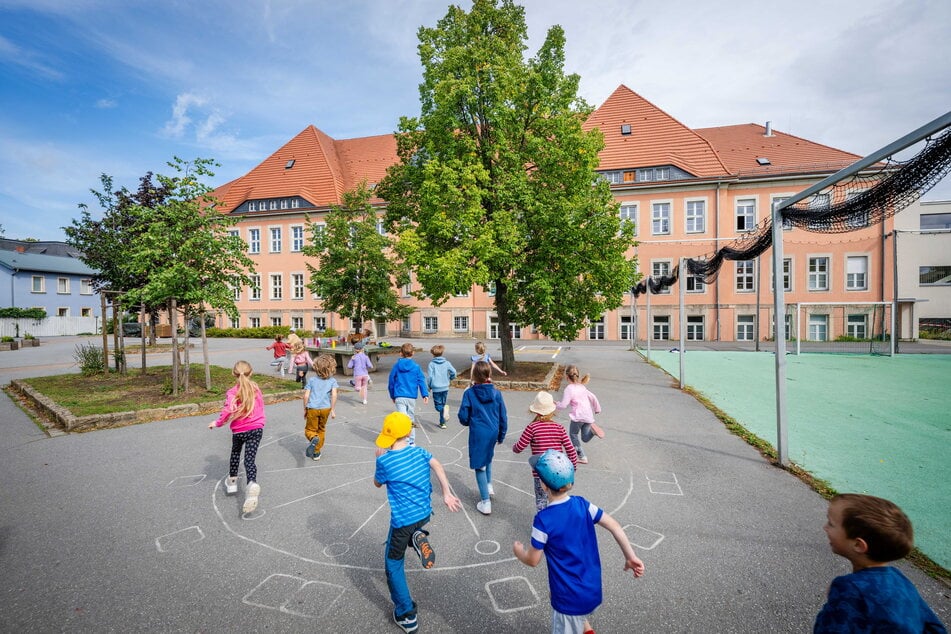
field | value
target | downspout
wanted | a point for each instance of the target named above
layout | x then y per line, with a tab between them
716	248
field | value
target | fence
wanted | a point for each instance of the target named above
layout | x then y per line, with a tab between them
48	327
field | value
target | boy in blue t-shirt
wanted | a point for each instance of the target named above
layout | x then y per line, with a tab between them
875	597
564	532
405	470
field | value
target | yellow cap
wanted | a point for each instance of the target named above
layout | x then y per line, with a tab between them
395	426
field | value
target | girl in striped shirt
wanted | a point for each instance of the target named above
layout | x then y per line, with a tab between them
542	434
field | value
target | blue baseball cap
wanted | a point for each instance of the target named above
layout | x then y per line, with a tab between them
554	468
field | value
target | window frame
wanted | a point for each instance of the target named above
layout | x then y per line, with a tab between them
460	319
297	238
662	264
691	216
664	218
856	281
254	240
814	275
38	288
298	286
275	240
62	286
745	211
629	216
744	281
745	327
275	286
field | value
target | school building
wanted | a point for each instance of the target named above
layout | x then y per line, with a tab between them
688	192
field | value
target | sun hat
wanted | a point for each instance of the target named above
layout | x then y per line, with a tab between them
396	425
543	404
554	468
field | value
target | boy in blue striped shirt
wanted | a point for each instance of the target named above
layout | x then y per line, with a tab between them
405	470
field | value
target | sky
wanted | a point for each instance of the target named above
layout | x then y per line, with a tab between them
122	86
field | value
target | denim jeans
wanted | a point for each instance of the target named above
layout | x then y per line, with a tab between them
408	407
439	402
484	479
397	541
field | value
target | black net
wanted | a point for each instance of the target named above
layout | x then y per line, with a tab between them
867	198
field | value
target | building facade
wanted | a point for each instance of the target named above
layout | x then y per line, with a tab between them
688	192
923	246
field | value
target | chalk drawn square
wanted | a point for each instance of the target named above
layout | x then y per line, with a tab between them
664	488
187	481
179	539
294	595
511	594
641	537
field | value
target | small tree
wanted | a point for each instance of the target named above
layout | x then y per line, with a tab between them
355	275
496	182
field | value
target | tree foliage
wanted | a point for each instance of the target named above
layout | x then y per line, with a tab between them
496	181
355	275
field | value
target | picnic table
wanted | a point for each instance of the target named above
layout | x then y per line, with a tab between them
343	352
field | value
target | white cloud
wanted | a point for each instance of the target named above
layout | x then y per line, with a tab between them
175	127
106	104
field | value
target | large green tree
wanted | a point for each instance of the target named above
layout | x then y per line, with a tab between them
496	182
355	275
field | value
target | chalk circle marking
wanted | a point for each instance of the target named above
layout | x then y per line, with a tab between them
487	547
336	550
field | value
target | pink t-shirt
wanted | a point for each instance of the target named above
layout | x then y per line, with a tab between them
254	420
584	404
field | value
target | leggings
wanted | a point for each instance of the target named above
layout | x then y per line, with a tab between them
250	440
579	432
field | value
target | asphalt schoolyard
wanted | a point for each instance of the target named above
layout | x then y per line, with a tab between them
130	530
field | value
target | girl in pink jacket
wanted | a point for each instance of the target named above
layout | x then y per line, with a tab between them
244	410
584	405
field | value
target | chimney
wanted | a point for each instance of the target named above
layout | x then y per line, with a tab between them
769	128
21	249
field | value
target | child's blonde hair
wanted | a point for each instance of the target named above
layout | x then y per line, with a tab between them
407	350
243	403
479	347
326	366
573	374
437	350
540	417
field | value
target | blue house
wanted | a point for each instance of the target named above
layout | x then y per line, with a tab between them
47	275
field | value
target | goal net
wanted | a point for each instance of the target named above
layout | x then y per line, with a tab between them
842	327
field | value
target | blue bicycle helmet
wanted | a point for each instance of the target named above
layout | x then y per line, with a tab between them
554	468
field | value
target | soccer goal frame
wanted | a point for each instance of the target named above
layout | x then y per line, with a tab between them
873	334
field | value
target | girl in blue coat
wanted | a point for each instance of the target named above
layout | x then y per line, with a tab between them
483	412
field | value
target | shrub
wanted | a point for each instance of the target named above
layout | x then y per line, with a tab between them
23	313
6	339
90	359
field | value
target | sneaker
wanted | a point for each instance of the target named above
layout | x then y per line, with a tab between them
424	549
597	430
316	455
231	485
445	410
364	401
491	490
312	447
484	507
582	460
442	425
408	622
251	501
352	384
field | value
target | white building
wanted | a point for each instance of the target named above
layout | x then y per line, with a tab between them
923	246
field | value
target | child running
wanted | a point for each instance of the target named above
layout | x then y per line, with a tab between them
280	353
440	374
564	533
301	363
361	366
320	401
871	532
483	412
482	355
244	411
543	434
584	405
405	471
405	383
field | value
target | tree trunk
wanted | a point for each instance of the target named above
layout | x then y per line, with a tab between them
187	366
204	352
505	331
142	333
173	318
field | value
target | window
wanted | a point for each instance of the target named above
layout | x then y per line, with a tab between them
934	222
660	269
694	327
859	219
272	204
460	323
661	327
745	276
465	294
696	216
275	321
39	284
628	214
494	329
254	322
787	225
856	272
596	329
818	327
430	324
645	175
297	285
787	274
295	203
934	275
254	240
613	178
235	292
857	326
297	239
744	327
85	287
255	287
62	285
405	325
62	312
745	214
277	286
627	328
408	287
662	174
820	203
660	218
235	322
275	239
320	323
380	229
695	284
819	274
85	312
283	204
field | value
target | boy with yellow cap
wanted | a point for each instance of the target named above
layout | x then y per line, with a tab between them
405	470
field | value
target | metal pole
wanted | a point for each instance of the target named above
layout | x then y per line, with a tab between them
683	318
633	320
894	337
649	333
779	329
